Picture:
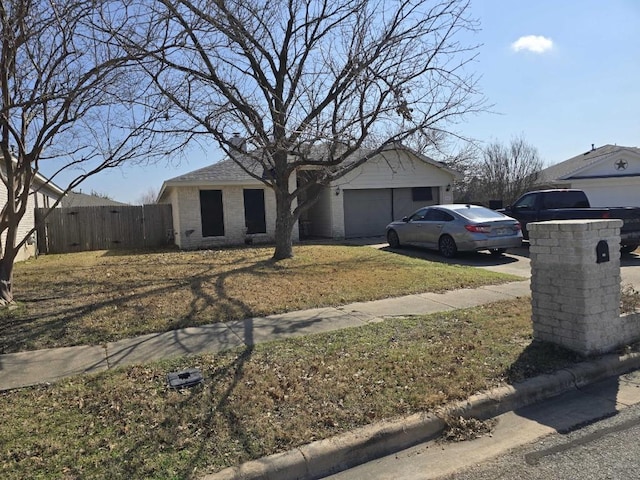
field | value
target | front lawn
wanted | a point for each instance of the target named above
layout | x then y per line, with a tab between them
96	297
127	423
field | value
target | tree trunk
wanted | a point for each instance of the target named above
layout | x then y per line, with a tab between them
6	281
284	226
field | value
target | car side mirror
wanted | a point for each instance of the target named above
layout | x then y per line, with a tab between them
405	219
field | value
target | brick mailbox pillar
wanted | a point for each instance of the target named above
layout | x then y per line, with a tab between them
575	283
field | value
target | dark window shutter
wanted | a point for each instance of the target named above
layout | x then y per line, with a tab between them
211	213
254	215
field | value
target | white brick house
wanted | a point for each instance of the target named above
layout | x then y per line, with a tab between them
43	194
222	205
609	175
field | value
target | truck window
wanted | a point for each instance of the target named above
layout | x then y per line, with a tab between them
527	202
565	199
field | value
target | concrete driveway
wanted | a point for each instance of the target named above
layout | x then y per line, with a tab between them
515	261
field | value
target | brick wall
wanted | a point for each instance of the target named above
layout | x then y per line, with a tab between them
575	299
188	221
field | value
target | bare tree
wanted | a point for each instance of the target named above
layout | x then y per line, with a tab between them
149	197
317	84
69	100
504	172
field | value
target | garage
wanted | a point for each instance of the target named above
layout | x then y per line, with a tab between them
616	194
368	211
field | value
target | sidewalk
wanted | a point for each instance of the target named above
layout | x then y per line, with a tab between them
46	366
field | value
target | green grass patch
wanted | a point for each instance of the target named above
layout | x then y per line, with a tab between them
96	297
265	399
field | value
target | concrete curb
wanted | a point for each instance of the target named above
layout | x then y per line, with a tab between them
325	457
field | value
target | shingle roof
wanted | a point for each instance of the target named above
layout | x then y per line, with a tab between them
565	170
228	171
224	171
73	199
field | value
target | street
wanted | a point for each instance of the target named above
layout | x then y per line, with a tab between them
590	433
607	449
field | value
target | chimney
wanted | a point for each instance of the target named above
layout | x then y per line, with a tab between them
593	147
240	143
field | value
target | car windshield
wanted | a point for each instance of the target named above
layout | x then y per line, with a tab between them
474	212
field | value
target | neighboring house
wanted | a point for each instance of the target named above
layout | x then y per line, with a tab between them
44	194
79	199
222	205
610	175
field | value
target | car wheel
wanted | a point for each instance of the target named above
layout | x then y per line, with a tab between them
628	248
496	252
392	239
447	246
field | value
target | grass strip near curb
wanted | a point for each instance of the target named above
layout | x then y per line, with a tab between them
97	297
269	398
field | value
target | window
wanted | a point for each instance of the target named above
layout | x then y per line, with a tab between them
418	216
528	202
421	194
254	217
211	213
435	215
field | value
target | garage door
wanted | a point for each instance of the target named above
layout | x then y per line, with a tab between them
613	195
366	212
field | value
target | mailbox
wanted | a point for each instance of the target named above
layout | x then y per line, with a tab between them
602	251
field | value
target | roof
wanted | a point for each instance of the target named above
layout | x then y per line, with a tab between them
571	168
74	199
228	172
40	183
225	171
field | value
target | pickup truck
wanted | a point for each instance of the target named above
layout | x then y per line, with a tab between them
568	204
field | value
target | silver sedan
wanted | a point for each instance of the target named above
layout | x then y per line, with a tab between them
456	227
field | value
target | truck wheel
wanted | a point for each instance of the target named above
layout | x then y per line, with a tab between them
628	248
447	246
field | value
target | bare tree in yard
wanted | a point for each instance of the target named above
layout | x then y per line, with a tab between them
148	197
506	171
310	84
67	102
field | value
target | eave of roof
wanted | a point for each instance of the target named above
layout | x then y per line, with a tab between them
572	167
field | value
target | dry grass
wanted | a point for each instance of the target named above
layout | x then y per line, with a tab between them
96	297
629	299
255	401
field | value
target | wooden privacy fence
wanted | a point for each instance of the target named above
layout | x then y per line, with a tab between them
77	229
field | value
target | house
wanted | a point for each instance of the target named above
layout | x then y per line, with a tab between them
223	205
79	199
610	175
44	194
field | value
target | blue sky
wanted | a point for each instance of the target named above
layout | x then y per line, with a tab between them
562	73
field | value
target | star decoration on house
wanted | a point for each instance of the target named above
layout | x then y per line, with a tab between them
621	164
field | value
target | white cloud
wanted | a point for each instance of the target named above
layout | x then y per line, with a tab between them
533	43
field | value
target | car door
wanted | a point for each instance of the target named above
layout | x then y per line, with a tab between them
411	229
433	224
525	211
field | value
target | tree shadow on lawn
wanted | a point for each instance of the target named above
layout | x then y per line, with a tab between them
116	308
23	330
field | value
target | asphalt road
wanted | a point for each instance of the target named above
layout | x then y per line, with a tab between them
608	449
586	433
